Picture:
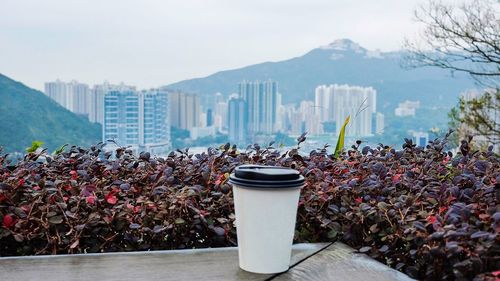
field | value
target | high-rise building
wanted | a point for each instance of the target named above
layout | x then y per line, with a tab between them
184	110
279	121
310	118
336	102
80	99
96	100
296	122
57	91
154	125
203	120
407	108
220	118
421	138
237	121
137	119
219	98
121	118
210	117
357	102
261	99
323	102
378	123
285	114
74	96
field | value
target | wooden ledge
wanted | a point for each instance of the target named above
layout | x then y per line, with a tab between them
320	261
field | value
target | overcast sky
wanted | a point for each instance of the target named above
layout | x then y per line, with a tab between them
152	43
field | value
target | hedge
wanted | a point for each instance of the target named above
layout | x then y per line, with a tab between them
423	211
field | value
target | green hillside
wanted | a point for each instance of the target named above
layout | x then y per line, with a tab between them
27	114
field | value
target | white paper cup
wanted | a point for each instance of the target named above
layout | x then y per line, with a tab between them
265	200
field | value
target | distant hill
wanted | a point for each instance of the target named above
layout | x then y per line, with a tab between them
342	61
27	115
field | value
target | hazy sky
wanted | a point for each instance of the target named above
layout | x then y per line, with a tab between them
152	43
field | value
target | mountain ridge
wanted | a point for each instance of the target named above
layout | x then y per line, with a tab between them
342	61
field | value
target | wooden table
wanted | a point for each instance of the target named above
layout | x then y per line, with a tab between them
322	261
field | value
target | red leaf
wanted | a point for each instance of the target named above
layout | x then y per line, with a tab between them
220	179
74	175
21	182
396	178
431	219
26	208
91	199
111	199
484	216
446	160
2	197
359	200
8	221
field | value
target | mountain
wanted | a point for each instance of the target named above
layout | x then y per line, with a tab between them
342	62
27	115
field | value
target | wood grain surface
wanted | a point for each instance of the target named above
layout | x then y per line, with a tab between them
340	262
201	264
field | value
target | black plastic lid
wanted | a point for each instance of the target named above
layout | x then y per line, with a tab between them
258	176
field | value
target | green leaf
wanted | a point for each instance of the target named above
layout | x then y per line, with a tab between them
332	234
382	205
340	141
59	150
34	146
179	221
56	220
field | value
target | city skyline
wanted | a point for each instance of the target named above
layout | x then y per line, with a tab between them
65	37
142	118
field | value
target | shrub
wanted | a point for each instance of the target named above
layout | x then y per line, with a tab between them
422	211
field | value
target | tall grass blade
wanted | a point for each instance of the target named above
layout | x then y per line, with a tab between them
340	141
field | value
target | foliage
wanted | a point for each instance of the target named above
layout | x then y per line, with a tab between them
60	149
27	114
426	212
340	141
478	116
463	38
34	146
